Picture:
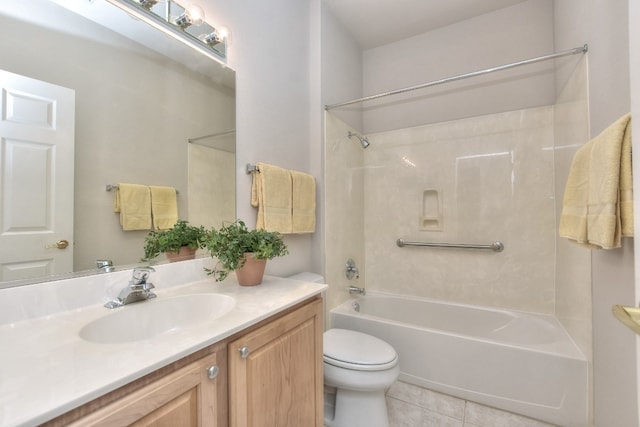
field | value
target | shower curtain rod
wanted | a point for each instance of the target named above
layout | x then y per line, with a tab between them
574	51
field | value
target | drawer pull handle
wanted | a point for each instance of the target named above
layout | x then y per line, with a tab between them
212	372
244	352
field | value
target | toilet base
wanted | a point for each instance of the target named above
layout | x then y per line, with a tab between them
359	409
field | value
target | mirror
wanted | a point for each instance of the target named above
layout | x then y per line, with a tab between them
140	117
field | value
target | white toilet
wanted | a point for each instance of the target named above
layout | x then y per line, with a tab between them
360	367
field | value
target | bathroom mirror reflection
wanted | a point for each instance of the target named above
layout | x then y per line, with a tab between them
140	117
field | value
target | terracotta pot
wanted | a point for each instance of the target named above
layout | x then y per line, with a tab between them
185	253
252	271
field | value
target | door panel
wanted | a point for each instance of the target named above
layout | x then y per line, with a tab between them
36	177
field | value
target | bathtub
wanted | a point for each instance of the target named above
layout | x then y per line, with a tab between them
519	362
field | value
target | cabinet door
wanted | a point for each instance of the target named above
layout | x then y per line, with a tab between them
185	398
275	372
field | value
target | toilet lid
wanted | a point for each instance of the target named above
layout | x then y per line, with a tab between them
355	350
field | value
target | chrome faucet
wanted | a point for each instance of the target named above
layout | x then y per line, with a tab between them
105	265
138	289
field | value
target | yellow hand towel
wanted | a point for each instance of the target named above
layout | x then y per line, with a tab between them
303	203
271	194
134	204
164	207
598	200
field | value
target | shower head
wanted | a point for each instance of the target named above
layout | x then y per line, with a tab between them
363	140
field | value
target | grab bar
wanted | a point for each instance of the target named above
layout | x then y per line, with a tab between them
495	246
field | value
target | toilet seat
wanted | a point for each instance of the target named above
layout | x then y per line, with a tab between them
357	351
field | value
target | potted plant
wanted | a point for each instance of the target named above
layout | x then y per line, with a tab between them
242	250
178	243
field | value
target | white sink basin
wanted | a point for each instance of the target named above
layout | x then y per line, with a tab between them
148	319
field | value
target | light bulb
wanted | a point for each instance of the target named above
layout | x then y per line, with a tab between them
195	14
223	32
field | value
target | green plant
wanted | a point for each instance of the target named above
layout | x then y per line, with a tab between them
171	240
231	242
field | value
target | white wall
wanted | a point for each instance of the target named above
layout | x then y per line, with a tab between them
341	69
511	34
634	59
604	26
273	47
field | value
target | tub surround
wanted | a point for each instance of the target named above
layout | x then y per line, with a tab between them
47	369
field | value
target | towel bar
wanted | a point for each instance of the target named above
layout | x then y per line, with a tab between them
111	187
495	246
252	168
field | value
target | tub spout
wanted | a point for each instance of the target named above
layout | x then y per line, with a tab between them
356	290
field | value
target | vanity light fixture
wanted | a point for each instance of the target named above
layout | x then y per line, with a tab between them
147	4
189	27
211	39
193	15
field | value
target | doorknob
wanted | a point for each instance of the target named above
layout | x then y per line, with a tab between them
60	244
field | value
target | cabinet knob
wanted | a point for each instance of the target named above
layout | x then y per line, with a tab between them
244	351
212	372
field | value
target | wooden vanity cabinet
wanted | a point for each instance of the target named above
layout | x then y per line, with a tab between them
187	393
275	372
275	381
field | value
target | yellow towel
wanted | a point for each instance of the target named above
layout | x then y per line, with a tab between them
134	204
598	200
271	194
303	203
164	207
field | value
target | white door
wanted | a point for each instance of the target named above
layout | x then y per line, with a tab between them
36	177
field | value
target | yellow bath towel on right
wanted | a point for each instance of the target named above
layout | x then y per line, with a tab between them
597	207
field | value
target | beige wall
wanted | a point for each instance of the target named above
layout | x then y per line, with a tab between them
345	233
211	180
573	273
493	175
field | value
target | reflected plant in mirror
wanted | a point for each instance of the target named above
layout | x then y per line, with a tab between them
134	115
179	243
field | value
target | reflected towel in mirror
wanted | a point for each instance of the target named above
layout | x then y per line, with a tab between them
164	207
133	202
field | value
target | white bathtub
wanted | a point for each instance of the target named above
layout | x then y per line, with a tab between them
519	362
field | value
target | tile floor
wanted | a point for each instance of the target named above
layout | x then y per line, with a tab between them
412	406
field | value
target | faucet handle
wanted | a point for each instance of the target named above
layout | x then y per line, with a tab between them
351	270
140	276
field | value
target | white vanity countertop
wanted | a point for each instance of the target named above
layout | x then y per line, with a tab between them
46	369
